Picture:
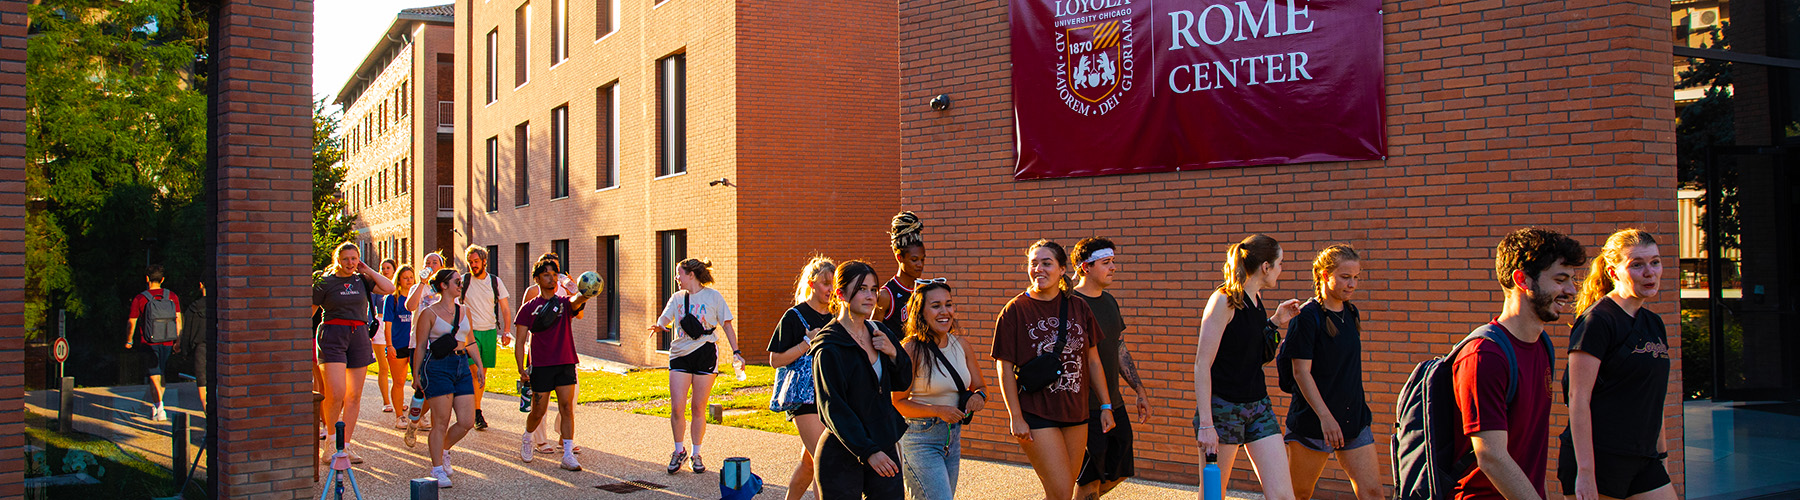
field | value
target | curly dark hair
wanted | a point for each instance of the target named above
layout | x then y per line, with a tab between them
1533	250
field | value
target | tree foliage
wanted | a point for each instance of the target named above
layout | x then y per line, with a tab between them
1705	125
331	225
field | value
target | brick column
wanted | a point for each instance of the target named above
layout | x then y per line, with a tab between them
261	185
12	248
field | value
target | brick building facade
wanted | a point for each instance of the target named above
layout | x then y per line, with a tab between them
396	135
601	131
1500	115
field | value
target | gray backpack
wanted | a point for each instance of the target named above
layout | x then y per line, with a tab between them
1429	424
159	318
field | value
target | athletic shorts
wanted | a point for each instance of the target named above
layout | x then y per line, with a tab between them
199	355
1109	454
403	353
1616	476
703	361
159	355
1034	422
489	342
1361	439
345	344
804	409
1241	423
545	379
449	376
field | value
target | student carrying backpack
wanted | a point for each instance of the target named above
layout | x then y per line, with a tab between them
1428	423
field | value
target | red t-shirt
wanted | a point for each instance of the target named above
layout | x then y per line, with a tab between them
137	308
1481	378
555	346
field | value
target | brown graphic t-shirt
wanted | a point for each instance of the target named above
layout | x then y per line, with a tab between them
1026	328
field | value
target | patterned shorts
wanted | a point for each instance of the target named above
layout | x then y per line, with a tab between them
1241	423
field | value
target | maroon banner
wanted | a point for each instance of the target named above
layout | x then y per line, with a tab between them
1107	87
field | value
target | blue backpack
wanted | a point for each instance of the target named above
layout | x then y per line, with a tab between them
1428	423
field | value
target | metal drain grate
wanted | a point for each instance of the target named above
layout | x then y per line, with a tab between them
630	486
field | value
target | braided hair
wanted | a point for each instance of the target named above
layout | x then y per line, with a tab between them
906	231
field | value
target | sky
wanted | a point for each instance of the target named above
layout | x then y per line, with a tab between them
343	33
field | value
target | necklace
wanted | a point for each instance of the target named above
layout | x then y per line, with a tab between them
1337	316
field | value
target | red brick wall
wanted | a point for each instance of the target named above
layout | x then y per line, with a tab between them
262	187
12	247
1500	115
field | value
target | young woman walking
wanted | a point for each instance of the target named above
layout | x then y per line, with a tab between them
908	238
698	311
1331	416
855	366
791	341
1618	373
1050	422
946	390
1228	375
447	347
343	295
398	323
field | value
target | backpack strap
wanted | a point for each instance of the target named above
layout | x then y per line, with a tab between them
1498	337
494	289
1062	325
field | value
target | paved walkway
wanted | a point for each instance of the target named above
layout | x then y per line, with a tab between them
622	447
121	414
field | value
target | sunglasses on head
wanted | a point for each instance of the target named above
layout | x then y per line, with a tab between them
917	282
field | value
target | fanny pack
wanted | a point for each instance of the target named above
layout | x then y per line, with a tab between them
547	315
690	324
446	344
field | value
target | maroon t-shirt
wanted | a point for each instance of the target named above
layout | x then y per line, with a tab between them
137	309
555	346
1481	378
1027	327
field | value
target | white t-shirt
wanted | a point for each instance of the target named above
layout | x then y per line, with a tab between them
480	299
707	305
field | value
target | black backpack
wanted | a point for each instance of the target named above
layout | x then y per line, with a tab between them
159	318
1428	423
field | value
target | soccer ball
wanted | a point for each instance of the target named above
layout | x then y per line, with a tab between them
590	284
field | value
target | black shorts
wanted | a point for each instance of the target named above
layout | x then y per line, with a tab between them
403	353
1616	476
1109	454
1037	422
703	361
804	409
199	354
545	379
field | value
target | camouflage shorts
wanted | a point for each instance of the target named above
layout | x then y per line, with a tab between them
1241	423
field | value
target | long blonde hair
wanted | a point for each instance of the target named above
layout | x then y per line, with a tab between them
1243	258
1599	282
818	265
348	245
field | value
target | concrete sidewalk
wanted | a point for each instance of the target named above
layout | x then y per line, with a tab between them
620	447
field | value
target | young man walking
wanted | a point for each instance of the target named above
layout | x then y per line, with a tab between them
485	297
1510	440
160	313
544	325
1109	454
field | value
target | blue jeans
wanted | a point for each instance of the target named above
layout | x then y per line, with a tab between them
929	456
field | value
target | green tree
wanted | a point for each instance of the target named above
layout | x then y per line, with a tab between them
1705	125
331	226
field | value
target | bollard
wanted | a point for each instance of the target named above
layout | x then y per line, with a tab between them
178	433
715	413
424	488
65	414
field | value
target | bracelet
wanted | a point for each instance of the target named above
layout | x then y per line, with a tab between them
1202	427
1106	407
739	352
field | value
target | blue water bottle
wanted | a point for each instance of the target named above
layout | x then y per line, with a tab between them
1209	482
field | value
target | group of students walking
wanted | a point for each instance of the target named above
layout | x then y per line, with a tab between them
884	379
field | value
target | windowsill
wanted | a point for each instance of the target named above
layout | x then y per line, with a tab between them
564	197
611	342
659	3
664	352
608	188
522	85
677	174
608	34
558	63
516	207
490	104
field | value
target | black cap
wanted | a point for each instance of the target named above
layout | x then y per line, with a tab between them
1212	457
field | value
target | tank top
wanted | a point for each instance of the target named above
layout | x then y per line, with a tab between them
439	328
1237	374
935	387
896	316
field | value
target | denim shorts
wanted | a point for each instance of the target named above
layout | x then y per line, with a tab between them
448	375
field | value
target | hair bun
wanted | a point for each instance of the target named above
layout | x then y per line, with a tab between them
906	230
706	262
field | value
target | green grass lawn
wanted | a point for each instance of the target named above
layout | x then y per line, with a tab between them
122	474
651	385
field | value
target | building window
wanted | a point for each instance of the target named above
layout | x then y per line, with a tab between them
522	164
406	250
522	44
607	248
381	184
493	260
493	74
559	31
559	152
606	17
671	116
671	249
523	259
493	174
561	249
606	142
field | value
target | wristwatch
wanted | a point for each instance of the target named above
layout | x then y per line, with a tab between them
739	352
980	392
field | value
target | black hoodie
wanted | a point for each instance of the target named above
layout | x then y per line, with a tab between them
854	403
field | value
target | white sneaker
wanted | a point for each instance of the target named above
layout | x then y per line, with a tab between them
569	462
158	415
448	470
525	448
442	476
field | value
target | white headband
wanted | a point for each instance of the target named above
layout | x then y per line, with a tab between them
1098	254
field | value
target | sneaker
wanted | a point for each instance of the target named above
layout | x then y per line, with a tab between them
448	470
699	467
400	423
412	435
387	408
676	459
569	462
480	422
525	451
442	476
158	415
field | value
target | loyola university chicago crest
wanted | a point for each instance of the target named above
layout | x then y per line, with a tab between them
1095	64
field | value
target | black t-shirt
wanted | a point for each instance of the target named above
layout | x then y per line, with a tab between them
791	331
1112	324
1627	402
1336	369
896	317
1237	374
